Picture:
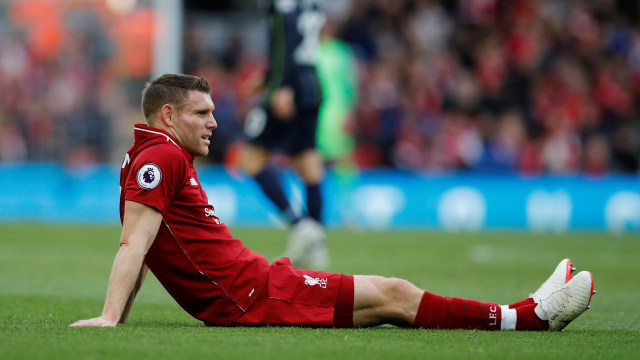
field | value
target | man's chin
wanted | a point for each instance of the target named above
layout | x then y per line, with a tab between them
200	153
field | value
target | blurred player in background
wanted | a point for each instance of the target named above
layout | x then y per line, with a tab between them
286	122
338	74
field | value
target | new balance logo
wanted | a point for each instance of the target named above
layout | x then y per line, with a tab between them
308	280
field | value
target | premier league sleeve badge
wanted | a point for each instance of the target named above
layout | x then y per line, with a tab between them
149	176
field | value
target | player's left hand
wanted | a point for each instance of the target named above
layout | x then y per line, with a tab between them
99	321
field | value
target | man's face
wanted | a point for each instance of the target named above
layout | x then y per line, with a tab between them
195	123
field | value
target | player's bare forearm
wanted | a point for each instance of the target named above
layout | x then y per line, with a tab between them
140	226
132	297
124	275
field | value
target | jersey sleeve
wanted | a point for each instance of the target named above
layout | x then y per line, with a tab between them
154	177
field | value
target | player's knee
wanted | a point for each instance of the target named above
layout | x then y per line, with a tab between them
252	160
400	299
309	166
398	290
312	177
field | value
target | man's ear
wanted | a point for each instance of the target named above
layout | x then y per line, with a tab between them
166	115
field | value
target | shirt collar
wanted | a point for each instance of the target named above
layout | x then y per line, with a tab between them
148	132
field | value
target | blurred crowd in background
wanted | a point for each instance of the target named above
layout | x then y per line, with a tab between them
519	86
64	66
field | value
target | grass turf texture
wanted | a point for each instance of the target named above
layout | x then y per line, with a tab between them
51	276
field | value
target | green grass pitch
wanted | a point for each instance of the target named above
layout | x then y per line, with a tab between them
53	275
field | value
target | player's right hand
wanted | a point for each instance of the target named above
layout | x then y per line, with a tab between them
283	103
99	321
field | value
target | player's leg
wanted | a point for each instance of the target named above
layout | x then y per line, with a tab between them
265	134
307	244
307	160
308	165
255	162
253	159
380	300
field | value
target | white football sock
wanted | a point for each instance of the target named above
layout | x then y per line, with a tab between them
509	318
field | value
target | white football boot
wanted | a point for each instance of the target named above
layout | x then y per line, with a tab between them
561	275
568	302
307	247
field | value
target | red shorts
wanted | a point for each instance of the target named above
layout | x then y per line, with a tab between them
295	297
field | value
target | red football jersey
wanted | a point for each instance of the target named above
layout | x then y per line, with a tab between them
213	276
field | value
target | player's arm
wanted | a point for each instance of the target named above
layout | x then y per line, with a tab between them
139	229
132	296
